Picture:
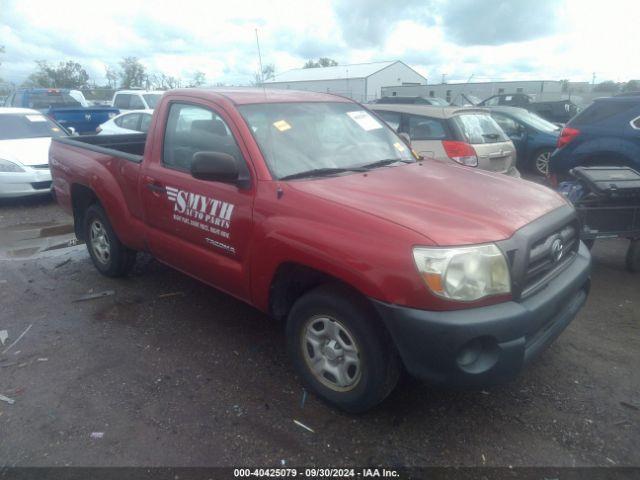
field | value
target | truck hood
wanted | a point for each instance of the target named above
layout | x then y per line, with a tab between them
27	151
449	205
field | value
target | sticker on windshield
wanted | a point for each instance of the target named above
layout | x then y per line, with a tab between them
366	121
36	118
282	125
399	147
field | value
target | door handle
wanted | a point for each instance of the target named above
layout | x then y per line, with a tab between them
156	188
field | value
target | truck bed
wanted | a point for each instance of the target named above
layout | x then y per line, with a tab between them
128	146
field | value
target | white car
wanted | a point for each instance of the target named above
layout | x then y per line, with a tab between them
136	99
25	136
135	121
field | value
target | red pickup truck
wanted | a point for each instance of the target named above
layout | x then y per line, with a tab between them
310	208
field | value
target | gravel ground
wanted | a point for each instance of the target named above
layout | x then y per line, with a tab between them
166	371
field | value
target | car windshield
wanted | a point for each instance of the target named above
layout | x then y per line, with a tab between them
42	100
323	137
152	99
479	128
28	126
537	122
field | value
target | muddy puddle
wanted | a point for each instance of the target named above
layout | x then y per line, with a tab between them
27	240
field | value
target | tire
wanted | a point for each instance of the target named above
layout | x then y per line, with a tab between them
633	256
107	253
540	162
350	341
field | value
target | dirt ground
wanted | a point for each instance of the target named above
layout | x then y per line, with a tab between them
166	371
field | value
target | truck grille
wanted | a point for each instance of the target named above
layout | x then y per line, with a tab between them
549	255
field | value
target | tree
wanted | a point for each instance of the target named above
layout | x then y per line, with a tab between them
268	73
198	79
66	75
161	81
322	62
632	86
112	76
133	73
607	86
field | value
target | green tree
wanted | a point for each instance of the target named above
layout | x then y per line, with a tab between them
198	79
132	73
631	86
68	74
268	73
322	62
608	86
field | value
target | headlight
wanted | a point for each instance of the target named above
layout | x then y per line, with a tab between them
464	273
7	166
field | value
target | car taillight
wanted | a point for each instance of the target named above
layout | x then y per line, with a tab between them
461	152
567	135
553	180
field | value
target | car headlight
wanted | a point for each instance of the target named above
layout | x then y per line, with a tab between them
10	167
464	273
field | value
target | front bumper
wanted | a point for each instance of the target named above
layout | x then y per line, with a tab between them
487	345
21	184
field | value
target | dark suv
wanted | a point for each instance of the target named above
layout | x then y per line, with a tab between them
605	133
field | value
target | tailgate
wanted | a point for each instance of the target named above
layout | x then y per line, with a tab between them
84	120
496	157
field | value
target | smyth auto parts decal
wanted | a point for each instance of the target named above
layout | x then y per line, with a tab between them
200	211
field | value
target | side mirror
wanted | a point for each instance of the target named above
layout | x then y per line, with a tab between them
215	167
72	131
405	138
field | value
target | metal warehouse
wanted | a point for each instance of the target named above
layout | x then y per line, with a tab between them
362	82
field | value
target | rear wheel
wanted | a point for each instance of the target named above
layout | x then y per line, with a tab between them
340	350
108	254
540	162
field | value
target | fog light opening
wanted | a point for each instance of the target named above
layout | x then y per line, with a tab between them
478	355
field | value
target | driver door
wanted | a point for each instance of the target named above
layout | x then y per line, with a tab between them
197	226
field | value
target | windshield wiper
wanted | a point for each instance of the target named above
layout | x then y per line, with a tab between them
383	163
492	136
319	172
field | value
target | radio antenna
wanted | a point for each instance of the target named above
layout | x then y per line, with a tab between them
260	63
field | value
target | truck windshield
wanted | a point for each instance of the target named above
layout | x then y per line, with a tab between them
152	99
28	126
321	137
42	100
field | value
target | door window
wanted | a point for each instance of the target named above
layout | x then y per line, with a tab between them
507	124
426	128
191	129
136	102
391	118
122	100
130	122
145	122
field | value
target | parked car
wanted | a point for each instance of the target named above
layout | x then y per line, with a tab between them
605	133
534	137
466	136
67	107
558	111
441	102
465	100
309	208
136	99
135	121
25	136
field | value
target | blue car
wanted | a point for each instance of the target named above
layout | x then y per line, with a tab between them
67	107
606	133
534	137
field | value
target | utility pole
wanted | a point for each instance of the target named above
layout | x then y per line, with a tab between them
443	75
593	78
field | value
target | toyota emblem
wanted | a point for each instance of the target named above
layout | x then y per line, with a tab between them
557	249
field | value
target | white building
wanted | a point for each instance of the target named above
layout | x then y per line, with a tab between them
362	82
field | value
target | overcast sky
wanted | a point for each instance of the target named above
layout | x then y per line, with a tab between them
489	39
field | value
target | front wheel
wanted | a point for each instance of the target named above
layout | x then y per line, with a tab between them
541	162
340	350
108	254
